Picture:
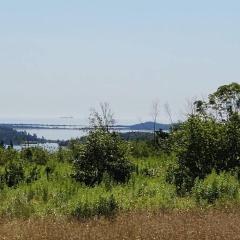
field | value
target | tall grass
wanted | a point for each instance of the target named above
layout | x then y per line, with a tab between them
60	195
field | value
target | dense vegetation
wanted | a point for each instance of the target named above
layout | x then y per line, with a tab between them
196	164
9	136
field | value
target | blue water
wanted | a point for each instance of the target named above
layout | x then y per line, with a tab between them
71	131
51	134
56	134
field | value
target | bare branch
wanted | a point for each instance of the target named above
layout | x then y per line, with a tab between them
168	112
104	118
155	114
155	110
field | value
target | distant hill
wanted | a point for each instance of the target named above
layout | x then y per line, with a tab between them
150	126
146	126
132	136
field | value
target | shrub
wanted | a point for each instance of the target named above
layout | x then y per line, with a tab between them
18	206
203	145
105	206
216	186
14	174
35	155
7	155
27	154
103	152
181	178
141	149
33	174
210	138
83	211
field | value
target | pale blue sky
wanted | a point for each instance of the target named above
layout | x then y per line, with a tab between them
63	57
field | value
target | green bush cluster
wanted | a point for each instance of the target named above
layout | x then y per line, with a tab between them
216	186
103	152
105	206
13	174
140	149
35	154
209	139
202	145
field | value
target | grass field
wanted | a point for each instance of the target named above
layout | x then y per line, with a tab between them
199	224
146	207
147	190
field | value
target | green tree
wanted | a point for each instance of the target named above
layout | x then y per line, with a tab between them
205	142
103	152
222	103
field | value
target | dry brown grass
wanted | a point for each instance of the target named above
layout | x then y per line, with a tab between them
213	224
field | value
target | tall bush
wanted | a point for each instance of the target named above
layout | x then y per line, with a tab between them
102	152
206	141
13	174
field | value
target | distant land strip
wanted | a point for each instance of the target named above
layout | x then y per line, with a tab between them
149	126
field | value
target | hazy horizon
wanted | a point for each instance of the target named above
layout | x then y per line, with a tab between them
62	58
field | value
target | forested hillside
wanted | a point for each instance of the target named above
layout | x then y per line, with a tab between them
10	136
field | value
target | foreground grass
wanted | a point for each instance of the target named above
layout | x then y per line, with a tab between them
207	224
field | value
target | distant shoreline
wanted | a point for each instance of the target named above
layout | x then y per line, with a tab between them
141	126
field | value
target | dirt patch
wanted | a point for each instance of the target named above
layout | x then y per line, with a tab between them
214	224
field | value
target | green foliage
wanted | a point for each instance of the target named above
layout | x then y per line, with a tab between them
148	148
222	104
141	149
61	195
102	152
162	143
226	100
18	206
7	155
216	186
35	155
33	174
204	144
14	174
34	192
181	178
27	154
105	206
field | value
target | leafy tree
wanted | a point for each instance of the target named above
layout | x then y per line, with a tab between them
221	104
195	144
103	152
226	100
206	142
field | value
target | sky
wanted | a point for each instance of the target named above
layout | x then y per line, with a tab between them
61	58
